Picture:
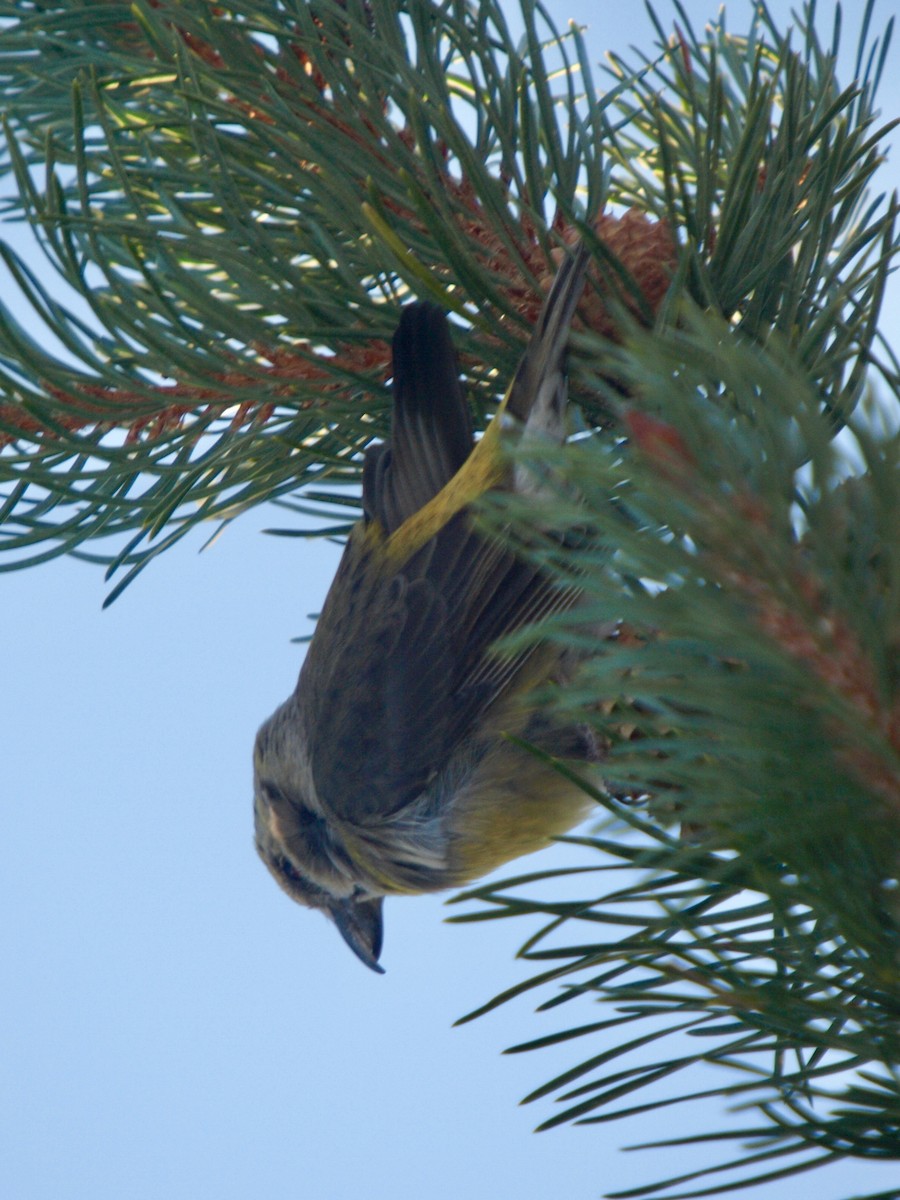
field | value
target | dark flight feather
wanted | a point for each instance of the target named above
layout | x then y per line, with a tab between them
410	671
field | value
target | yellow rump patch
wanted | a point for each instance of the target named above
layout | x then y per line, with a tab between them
482	470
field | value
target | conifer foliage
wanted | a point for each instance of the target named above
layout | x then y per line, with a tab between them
233	201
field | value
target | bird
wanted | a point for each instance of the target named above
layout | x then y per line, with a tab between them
400	764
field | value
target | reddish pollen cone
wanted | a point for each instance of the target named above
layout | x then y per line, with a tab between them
659	441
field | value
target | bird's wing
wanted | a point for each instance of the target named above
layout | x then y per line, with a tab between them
374	690
431	432
402	667
375	729
401	670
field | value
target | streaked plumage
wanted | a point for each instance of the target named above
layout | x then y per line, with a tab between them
386	771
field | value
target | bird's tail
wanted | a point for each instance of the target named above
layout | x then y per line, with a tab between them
537	395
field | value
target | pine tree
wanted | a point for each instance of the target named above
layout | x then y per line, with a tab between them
244	195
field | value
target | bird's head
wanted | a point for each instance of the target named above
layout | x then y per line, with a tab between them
303	850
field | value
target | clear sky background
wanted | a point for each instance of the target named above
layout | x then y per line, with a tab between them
172	1026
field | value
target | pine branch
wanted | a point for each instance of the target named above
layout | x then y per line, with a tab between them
748	556
751	695
242	196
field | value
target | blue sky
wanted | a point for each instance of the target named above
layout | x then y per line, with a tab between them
172	1026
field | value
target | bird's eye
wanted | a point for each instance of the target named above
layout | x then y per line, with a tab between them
298	825
302	817
310	822
274	796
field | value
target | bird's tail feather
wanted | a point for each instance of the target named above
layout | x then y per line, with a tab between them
537	395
